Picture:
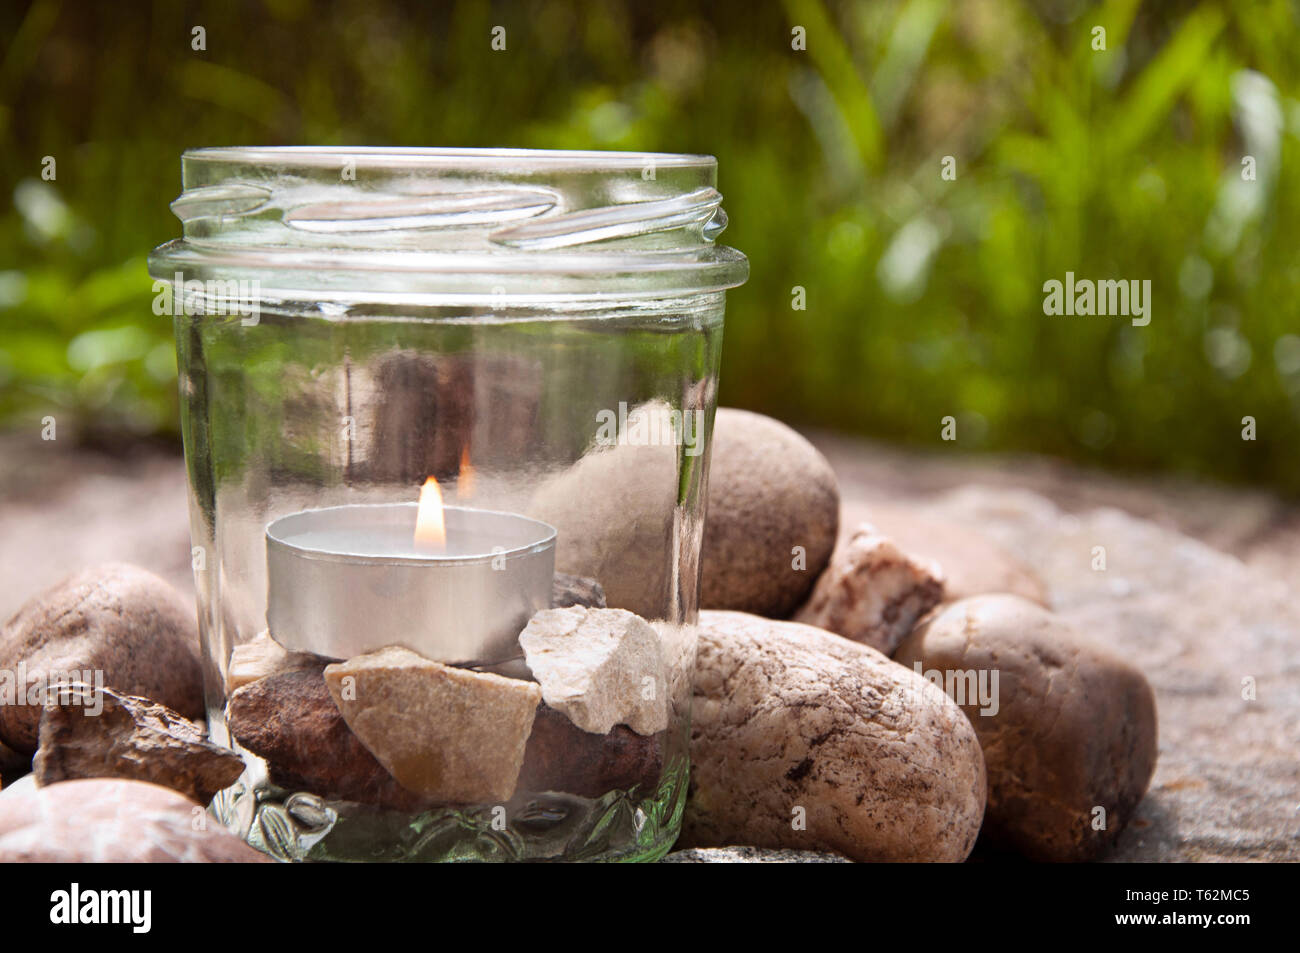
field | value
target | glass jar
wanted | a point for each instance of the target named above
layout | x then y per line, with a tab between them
517	350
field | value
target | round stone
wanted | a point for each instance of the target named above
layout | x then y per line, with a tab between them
112	821
1068	730
116	622
802	739
772	519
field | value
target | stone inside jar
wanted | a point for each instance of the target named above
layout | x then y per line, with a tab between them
583	710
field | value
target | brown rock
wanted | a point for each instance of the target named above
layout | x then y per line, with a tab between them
115	619
567	590
113	821
872	592
972	563
770	491
446	733
788	717
562	757
13	765
1074	727
89	733
291	721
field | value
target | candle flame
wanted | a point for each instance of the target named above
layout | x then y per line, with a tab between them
465	479
430	529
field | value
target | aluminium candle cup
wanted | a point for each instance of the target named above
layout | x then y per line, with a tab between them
347	580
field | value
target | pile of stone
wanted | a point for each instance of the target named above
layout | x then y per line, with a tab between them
850	699
399	731
100	692
885	692
831	707
389	729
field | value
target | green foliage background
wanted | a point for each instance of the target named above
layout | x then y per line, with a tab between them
924	296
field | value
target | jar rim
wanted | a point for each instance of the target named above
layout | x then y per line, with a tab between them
407	157
456	221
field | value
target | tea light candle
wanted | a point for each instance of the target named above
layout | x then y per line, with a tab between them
346	580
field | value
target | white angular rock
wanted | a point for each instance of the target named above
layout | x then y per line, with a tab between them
263	656
447	733
873	592
601	667
972	562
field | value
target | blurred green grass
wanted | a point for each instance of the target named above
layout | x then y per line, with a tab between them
924	296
